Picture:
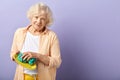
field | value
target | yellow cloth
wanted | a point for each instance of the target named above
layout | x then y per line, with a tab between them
30	77
25	65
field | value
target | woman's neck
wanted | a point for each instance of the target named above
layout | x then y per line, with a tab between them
34	31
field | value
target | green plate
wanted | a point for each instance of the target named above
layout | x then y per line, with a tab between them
25	65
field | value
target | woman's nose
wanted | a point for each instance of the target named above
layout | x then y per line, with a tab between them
38	20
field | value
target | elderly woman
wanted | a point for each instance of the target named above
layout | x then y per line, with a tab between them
37	41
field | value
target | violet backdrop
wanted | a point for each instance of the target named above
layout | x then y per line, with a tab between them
88	31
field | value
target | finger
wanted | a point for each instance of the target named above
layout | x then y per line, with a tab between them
12	58
24	54
30	56
26	57
17	52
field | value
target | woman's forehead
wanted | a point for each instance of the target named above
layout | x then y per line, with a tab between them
40	14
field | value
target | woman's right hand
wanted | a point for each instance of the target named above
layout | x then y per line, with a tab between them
12	57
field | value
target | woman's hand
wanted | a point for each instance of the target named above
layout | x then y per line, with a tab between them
42	58
12	56
28	55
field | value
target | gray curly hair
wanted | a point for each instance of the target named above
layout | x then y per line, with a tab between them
37	8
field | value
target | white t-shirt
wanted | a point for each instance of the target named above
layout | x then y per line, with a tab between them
31	44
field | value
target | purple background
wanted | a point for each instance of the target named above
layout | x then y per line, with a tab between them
89	34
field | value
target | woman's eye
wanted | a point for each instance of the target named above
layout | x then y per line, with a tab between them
43	19
36	17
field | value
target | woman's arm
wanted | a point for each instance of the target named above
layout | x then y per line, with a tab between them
14	49
42	58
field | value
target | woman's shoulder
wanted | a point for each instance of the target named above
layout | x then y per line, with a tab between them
20	30
51	32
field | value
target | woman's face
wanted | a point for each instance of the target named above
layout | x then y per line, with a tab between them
38	21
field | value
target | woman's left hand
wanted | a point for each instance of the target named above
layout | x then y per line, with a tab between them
28	55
